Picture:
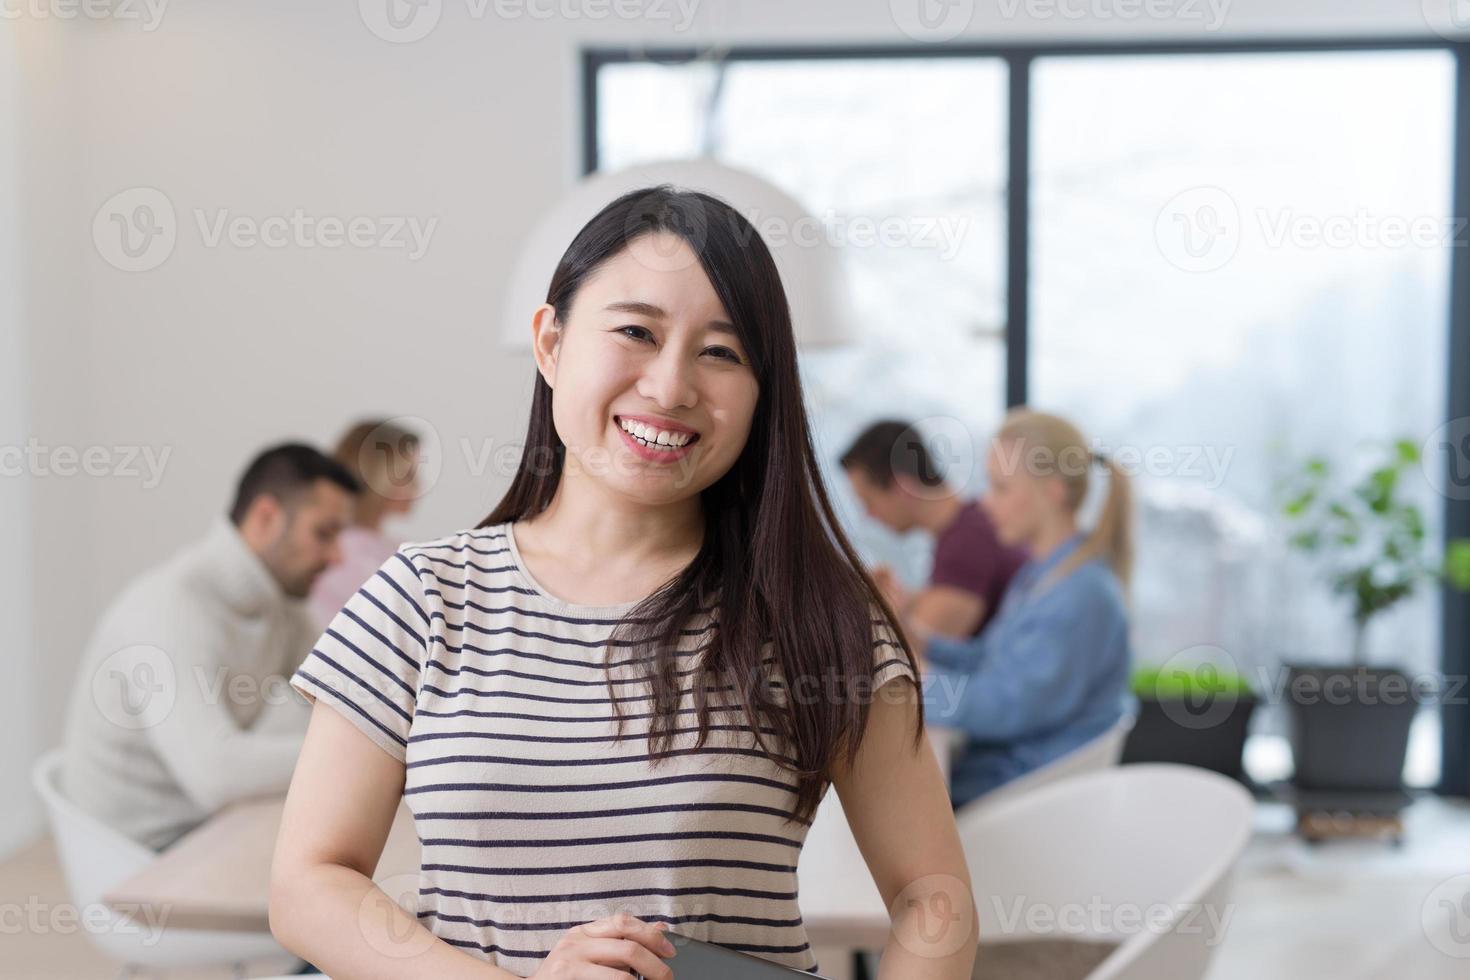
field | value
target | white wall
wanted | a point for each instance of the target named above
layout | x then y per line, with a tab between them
18	639
267	106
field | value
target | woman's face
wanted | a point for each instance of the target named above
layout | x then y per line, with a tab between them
1017	499
653	393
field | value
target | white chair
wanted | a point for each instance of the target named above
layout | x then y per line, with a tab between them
1101	753
94	858
1140	855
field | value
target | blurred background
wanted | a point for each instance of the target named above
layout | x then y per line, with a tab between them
1224	236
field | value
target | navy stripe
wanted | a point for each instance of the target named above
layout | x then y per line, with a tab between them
422	549
466	565
615	839
550	699
561	719
550	679
512	760
728	777
744	920
365	685
519	899
579	869
547	658
629	811
377	724
379	637
364	656
406	598
566	739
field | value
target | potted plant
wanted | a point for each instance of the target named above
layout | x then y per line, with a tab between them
1350	723
1196	715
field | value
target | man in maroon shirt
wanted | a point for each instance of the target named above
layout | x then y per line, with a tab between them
893	475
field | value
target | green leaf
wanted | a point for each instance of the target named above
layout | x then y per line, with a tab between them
1408	452
1457	564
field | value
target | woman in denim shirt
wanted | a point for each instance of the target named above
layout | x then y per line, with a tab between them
1050	672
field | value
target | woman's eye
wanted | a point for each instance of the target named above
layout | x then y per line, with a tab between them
642	333
724	353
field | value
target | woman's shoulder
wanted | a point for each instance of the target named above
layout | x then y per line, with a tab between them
477	551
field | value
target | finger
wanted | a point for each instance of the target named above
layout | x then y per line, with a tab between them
625	952
627	926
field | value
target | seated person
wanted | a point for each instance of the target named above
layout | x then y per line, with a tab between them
182	704
1051	671
892	474
383	457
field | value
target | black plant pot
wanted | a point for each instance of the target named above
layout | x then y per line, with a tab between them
1350	727
1210	733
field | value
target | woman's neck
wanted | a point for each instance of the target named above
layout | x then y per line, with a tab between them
1051	536
608	531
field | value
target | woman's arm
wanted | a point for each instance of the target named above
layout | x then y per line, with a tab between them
324	906
898	808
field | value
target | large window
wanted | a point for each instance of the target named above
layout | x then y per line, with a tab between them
864	145
1239	261
1236	260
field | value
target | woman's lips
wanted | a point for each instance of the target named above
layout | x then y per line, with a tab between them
651	454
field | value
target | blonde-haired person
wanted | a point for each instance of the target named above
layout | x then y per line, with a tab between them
383	456
1050	671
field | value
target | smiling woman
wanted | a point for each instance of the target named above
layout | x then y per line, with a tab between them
594	701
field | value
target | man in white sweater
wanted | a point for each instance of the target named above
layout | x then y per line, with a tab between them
182	703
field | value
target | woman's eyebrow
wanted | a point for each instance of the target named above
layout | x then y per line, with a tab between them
658	313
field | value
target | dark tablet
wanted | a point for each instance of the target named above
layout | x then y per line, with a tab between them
696	960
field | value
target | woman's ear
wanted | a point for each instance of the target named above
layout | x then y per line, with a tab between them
546	341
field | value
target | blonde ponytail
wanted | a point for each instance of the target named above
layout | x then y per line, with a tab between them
1058	445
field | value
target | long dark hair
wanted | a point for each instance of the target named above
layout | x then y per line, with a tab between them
774	561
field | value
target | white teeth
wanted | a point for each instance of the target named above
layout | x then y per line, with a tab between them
656	438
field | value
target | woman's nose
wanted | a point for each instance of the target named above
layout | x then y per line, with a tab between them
669	381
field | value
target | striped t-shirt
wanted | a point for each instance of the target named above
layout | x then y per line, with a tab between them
532	820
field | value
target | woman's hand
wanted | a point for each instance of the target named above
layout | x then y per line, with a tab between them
609	949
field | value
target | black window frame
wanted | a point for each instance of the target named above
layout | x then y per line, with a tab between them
1018	58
